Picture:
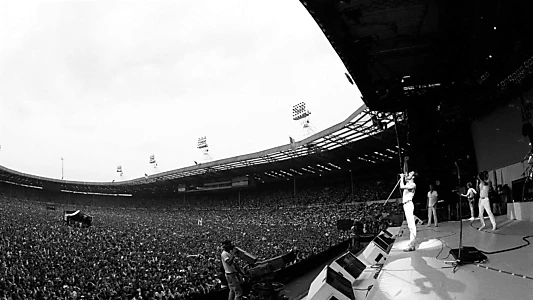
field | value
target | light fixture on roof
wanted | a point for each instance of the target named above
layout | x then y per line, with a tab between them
378	123
293	170
335	166
204	148
301	114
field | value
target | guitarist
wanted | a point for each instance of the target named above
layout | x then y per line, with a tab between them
471	195
231	270
407	184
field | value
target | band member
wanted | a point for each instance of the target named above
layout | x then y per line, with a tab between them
228	256
484	204
433	198
407	184
470	195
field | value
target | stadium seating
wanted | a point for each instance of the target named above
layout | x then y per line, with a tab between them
158	249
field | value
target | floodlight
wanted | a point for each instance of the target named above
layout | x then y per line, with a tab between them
202	143
299	112
204	148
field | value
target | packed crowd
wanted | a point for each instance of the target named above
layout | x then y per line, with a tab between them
151	254
378	216
281	194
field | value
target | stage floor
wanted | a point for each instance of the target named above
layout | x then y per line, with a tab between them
423	274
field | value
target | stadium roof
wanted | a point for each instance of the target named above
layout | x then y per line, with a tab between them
399	51
365	138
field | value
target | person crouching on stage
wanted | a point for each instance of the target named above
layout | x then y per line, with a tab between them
484	204
407	184
433	198
228	256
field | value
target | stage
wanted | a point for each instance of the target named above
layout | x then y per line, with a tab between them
424	273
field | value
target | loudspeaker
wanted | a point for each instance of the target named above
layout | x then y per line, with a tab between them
384	243
377	251
352	269
387	234
329	285
469	255
245	256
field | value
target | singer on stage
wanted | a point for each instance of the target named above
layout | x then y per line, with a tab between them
407	184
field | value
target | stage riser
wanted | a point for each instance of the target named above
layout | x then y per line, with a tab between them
522	211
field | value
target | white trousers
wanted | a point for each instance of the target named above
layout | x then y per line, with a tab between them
484	204
409	209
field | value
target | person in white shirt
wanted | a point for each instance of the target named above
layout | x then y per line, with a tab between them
470	195
407	184
228	256
433	198
484	204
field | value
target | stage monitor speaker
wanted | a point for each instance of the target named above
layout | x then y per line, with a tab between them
330	285
387	234
384	243
469	255
245	256
377	251
352	269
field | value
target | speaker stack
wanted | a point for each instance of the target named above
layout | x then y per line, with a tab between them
330	285
352	272
377	251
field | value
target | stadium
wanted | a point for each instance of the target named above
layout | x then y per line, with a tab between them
321	217
300	178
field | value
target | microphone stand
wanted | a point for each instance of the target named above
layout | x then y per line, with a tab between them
460	211
472	254
397	183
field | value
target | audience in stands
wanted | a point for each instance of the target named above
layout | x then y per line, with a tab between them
166	254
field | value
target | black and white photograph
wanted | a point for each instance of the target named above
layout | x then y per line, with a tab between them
266	150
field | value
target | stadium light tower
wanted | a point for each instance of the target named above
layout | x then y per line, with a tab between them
204	149
301	114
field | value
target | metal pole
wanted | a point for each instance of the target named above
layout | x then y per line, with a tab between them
294	186
460	214
61	168
398	142
399	151
351	181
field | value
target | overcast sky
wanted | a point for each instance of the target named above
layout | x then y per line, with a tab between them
108	83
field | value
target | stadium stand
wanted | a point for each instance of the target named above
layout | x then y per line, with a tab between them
162	252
